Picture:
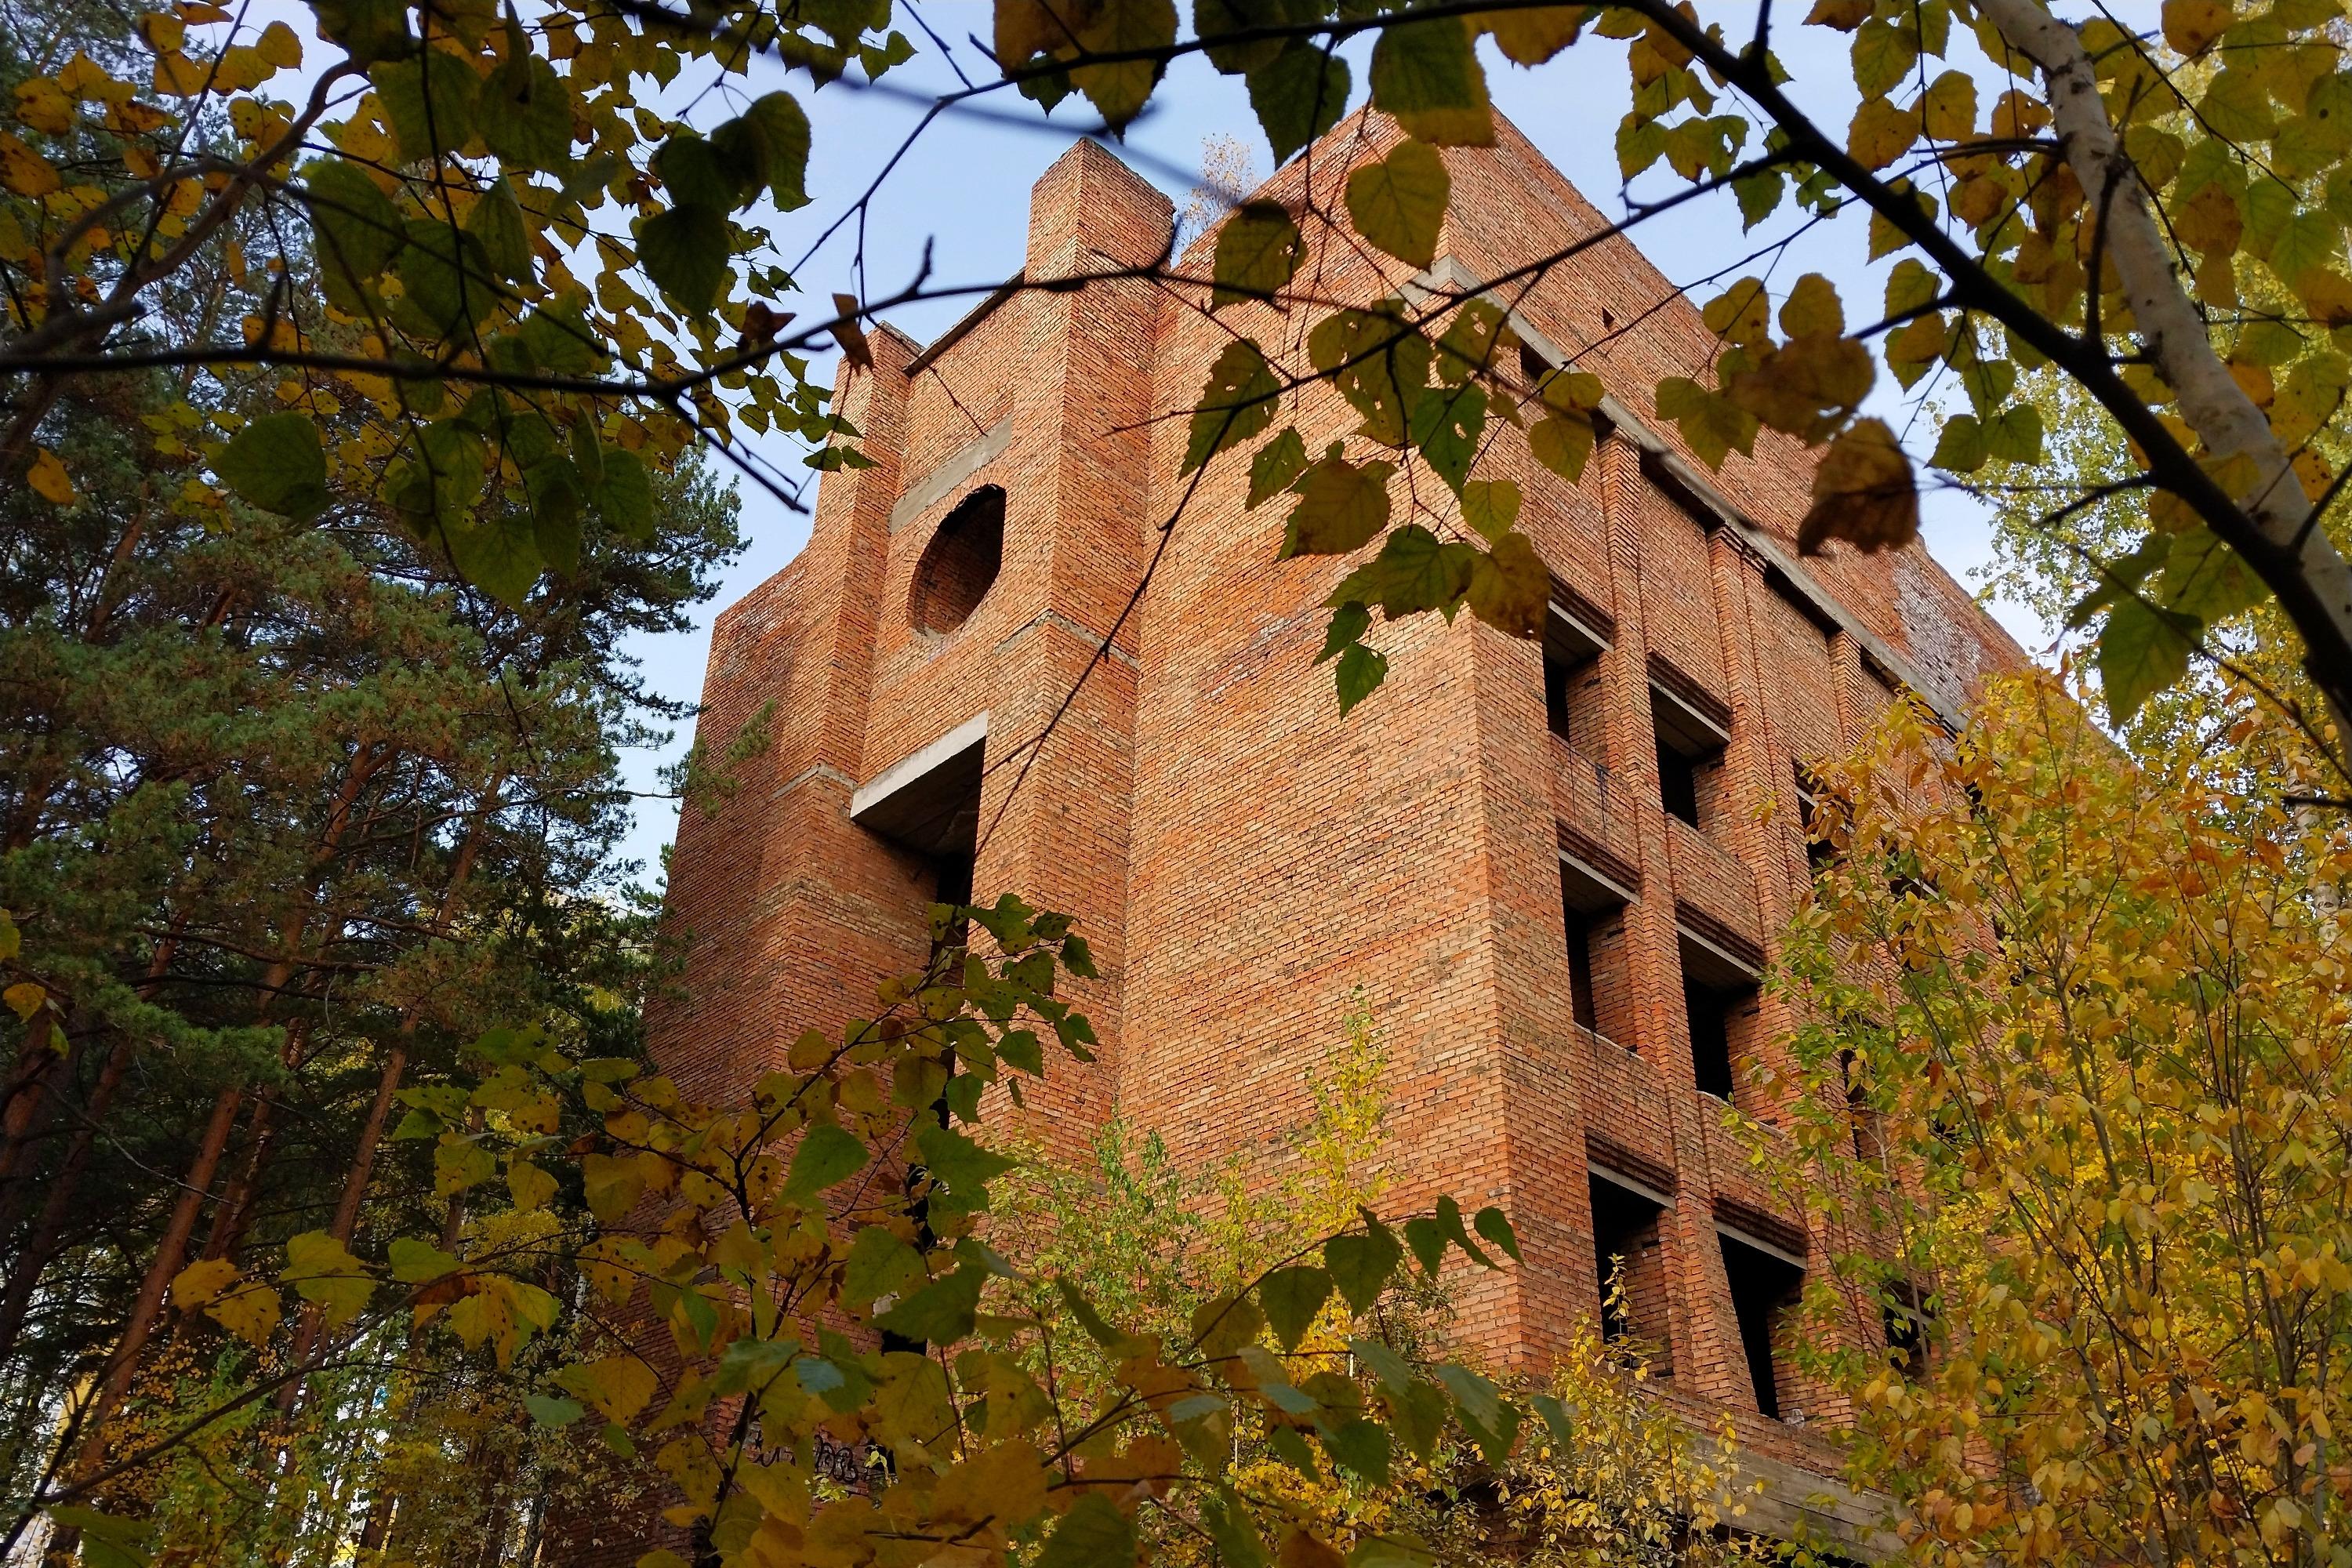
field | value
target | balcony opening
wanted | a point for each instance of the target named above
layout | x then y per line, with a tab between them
1766	1284
1812	817
960	564
1572	697
1909	1330
1691	744
1720	1005
1628	1253
1600	971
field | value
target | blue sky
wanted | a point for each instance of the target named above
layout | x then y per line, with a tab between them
964	189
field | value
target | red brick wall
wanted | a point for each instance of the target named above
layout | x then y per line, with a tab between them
1244	859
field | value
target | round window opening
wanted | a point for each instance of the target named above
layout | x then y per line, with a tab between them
960	562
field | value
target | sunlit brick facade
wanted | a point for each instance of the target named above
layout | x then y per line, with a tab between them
1552	872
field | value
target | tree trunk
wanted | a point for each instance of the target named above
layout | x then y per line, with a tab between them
26	1268
123	1365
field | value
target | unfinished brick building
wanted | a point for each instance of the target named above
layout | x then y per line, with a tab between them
1554	871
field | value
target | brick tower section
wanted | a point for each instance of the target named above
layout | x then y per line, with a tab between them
1019	649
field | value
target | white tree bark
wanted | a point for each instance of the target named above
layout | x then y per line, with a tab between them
2168	326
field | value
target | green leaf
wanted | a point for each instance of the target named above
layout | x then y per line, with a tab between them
446	278
965	1167
1236	404
1258	251
1277	463
1348	624
1415	570
560	340
1291	1298
1510	587
1445	425
1119	89
1759	196
1960	448
324	1273
686	252
1712	425
1563	443
1361	1446
497	222
1230	1527
1361	1265
879	1264
1378	359
1359	674
1399	202
1426	75
549	1411
625	495
1428	1243
526	114
942	1312
1491	506
2142	650
1093	1534
1492	1422
1342	507
2014	435
768	146
1496	1227
370	30
107	1541
416	1262
1449	1222
356	231
429	99
827	1155
497	552
1382	1551
277	464
2205	578
1298	95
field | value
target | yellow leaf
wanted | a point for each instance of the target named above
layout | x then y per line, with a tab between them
279	45
178	75
163	33
42	104
1880	133
23	998
1002	1486
1862	492
322	1271
50	479
1530	36
2190	25
532	1187
251	1312
1812	307
1741	313
1844	15
2327	294
87	81
241	66
1949	107
201	1281
619	1385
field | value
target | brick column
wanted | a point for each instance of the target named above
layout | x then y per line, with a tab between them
791	913
1074	556
1709	1360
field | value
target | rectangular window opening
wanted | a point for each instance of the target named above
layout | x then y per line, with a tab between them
1907	1332
1572	672
1821	853
1600	976
1766	1286
1690	757
1720	1006
1629	1252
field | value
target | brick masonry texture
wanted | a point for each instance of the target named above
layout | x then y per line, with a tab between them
1244	859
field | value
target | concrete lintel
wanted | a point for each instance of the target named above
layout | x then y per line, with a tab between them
952	475
1601	880
1729	968
1634	1185
1770	1249
1447	272
920	800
